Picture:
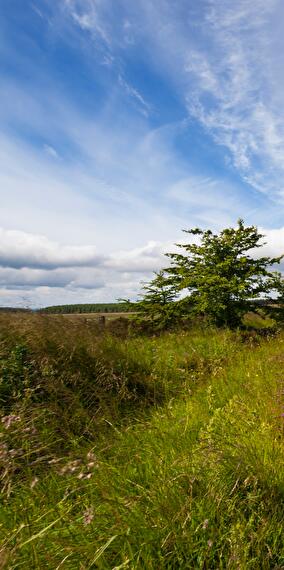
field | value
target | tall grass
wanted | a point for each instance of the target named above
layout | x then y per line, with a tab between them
141	453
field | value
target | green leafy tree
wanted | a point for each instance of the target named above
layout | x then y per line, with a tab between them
275	308
220	275
158	306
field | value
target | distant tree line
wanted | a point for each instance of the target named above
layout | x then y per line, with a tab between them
87	308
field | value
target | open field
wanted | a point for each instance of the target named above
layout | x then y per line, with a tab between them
140	453
108	316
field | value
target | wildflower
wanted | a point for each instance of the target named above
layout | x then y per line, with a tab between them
14	452
7	421
205	524
4	453
83	475
210	543
34	482
91	456
30	429
70	467
88	516
92	461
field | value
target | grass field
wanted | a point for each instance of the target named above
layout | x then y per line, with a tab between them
140	452
108	316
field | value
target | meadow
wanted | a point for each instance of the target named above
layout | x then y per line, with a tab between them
126	451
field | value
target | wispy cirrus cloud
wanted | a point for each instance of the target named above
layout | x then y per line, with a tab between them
229	75
50	150
88	16
234	89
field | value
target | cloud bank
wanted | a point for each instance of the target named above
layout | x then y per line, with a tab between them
22	250
69	274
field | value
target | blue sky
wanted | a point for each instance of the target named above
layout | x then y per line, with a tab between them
124	122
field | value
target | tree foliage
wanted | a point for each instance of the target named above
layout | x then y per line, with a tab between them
219	275
157	305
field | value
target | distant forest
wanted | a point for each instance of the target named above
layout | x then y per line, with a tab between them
87	308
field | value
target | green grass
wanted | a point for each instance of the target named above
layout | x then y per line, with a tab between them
140	453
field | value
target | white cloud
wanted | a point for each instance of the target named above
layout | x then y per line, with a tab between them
37	11
234	86
40	270
26	278
103	199
88	17
50	150
21	249
274	242
139	260
130	90
205	193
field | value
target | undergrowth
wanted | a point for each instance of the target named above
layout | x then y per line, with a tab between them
139	453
